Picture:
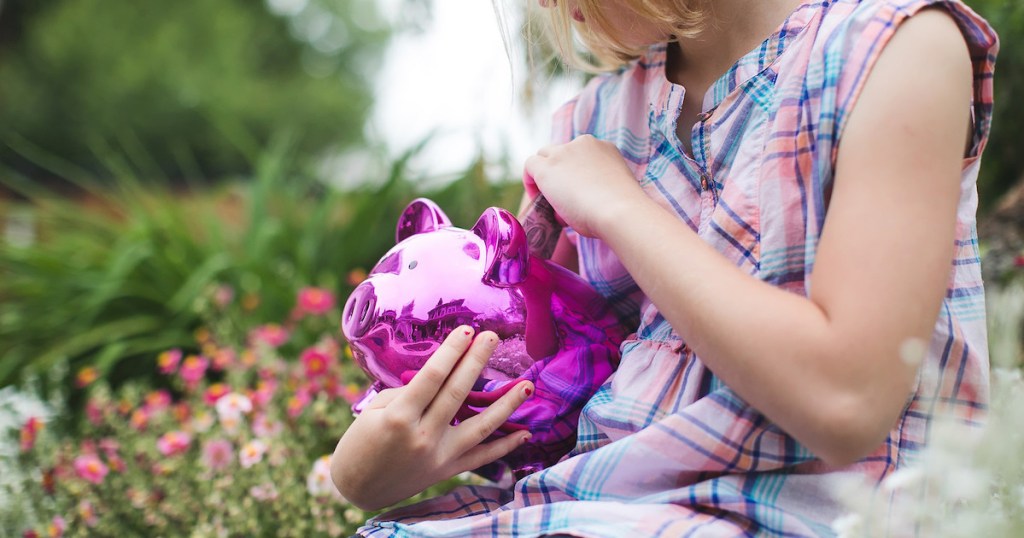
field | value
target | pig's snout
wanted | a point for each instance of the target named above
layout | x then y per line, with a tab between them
359	313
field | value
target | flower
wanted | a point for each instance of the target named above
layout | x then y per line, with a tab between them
94	412
223	295
217	454
315	301
168	361
140	418
252	453
89	467
233	405
57	527
202	421
270	334
29	433
314	363
172	443
157	400
193	369
263	492
214	392
356	276
86	376
264	427
230	423
298	403
109	446
223	358
87	512
319	482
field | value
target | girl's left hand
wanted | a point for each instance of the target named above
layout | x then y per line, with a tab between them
586	181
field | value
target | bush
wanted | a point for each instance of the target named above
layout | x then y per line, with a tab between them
237	443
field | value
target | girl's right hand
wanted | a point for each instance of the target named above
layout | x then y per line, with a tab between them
403	442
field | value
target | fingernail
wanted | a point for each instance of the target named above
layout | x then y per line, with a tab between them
528	390
525	438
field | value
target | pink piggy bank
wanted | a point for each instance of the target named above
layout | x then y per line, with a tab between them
554	329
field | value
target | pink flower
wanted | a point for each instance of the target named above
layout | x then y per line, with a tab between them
270	334
93	412
29	433
315	301
214	392
90	468
223	295
263	492
264	427
109	446
233	405
252	453
172	443
57	527
297	404
193	370
223	359
217	454
314	363
168	361
157	400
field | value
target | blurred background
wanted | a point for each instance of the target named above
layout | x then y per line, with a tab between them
151	152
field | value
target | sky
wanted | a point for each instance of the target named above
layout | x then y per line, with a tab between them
456	80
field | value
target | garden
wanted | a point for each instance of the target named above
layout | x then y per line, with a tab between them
174	256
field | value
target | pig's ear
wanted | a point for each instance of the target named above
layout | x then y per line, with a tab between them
420	216
507	252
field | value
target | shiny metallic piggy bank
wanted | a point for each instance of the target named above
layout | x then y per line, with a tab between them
554	329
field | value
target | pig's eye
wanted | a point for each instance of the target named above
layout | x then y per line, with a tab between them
388	265
413	264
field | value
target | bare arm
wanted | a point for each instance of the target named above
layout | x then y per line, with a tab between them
825	368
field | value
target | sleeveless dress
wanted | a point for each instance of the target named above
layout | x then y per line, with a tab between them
664	448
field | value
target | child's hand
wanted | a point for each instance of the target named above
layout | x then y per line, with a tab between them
404	442
586	181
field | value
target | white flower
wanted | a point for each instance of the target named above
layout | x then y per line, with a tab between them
319	481
230	423
233	404
903	478
848	526
252	453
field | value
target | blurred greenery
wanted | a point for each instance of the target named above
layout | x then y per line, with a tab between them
115	278
190	89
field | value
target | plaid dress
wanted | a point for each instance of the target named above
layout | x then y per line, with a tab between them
664	448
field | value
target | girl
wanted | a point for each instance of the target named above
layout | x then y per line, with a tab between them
781	198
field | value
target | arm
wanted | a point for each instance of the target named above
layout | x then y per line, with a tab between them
825	368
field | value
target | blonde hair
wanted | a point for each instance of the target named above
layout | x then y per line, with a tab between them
604	48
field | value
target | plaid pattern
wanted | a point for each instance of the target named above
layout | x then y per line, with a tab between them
664	448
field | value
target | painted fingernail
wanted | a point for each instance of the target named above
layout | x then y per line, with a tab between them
578	15
525	438
528	390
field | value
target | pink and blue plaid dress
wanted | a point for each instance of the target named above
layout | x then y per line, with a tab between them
665	448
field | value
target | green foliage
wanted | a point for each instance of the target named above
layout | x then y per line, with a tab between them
113	285
200	85
1004	161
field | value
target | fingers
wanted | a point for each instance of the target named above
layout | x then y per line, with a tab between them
461	380
475	430
483	454
426	384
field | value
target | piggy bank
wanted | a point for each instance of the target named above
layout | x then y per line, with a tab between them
554	329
